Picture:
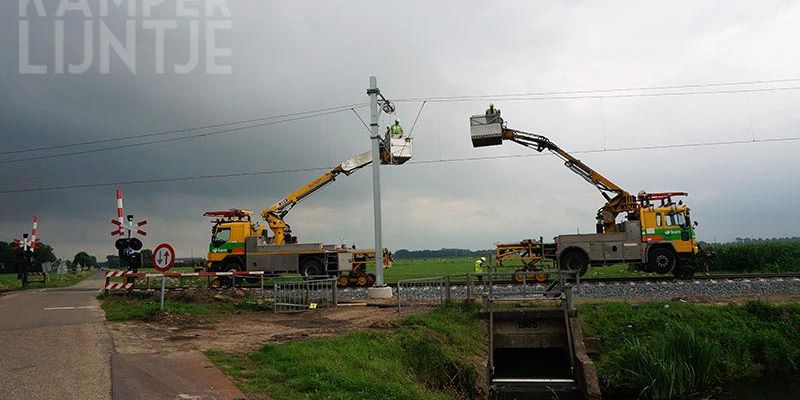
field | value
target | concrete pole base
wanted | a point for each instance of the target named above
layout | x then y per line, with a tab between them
382	292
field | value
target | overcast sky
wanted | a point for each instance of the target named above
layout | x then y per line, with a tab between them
302	55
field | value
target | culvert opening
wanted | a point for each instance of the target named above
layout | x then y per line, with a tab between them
550	363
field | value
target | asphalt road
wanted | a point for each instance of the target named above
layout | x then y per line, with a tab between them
54	344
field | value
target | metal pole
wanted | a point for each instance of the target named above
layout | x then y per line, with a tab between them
376	178
163	285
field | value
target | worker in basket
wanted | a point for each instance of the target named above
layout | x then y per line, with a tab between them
479	268
396	131
492	113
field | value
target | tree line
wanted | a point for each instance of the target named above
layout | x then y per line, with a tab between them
43	254
404	254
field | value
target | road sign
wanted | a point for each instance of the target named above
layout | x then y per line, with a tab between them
163	257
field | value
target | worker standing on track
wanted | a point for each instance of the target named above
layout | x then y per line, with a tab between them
396	131
479	268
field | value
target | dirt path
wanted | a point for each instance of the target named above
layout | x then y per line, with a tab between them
244	332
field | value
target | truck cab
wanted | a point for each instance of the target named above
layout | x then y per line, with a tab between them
669	225
228	239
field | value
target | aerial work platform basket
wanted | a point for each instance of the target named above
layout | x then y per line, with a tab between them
395	151
486	130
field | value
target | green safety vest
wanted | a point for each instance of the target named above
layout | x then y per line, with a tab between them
396	130
478	267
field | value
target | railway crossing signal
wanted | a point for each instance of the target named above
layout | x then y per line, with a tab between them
128	247
126	225
26	244
23	251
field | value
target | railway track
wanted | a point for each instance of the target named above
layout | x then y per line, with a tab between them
657	286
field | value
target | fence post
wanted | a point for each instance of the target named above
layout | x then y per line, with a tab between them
275	297
524	282
335	289
262	285
399	289
447	288
469	286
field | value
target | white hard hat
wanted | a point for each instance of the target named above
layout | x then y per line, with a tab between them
483	258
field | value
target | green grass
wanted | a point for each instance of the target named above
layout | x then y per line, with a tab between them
672	349
9	282
148	307
429	356
409	269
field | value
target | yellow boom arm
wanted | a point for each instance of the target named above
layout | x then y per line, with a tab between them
275	214
617	199
490	130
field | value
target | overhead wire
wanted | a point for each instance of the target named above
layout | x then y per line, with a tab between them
181	130
586	91
421	162
362	120
180	138
600	96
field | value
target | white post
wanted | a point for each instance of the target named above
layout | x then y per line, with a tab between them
379	289
163	284
376	178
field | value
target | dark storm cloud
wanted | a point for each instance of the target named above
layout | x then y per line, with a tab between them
292	56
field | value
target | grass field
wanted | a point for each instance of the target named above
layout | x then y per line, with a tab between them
10	282
658	350
429	356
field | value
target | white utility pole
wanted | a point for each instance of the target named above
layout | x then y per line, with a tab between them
376	177
379	290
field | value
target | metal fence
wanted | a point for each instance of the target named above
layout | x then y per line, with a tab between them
437	290
304	295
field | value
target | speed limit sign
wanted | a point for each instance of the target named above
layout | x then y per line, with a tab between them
163	257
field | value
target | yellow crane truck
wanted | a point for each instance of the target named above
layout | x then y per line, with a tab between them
656	234
240	244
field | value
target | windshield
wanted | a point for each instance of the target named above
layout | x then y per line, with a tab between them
221	236
678	219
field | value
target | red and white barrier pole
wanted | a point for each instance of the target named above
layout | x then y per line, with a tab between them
120	212
35	228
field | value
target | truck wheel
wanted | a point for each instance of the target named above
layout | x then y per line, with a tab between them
662	260
575	261
312	267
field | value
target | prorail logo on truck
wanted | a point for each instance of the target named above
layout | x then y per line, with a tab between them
104	27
